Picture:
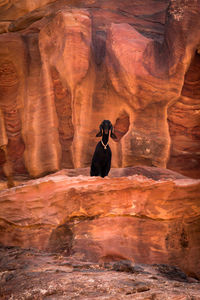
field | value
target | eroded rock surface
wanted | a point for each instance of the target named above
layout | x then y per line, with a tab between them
30	274
79	62
133	217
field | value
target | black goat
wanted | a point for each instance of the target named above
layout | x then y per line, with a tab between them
101	160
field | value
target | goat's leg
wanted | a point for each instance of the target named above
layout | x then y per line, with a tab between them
94	171
105	170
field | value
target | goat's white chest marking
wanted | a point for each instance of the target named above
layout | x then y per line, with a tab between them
105	146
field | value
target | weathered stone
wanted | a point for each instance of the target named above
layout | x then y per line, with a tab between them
30	274
121	218
79	62
64	67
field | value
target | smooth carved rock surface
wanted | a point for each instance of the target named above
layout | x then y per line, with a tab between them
64	67
184	124
137	218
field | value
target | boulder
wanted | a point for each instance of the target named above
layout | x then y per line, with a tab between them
135	218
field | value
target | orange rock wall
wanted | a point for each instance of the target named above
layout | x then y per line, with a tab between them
13	9
184	124
133	217
65	67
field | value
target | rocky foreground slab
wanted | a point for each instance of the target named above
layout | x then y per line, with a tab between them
152	217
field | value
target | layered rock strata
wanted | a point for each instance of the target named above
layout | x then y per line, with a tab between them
141	219
64	67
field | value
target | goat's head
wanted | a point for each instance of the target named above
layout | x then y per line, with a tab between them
105	126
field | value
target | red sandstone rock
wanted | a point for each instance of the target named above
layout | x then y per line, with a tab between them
184	125
134	217
66	66
11	10
81	62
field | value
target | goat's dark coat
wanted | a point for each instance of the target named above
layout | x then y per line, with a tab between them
101	160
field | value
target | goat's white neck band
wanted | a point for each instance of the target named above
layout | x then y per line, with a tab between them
105	146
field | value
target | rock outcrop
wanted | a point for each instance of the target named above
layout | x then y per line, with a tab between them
56	276
66	66
136	217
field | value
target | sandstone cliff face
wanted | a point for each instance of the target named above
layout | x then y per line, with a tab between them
136	217
184	120
64	67
13	9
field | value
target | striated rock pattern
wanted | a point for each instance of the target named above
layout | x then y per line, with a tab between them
67	65
64	67
137	218
184	124
13	9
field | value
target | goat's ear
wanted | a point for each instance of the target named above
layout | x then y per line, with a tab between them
99	134
100	131
113	136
